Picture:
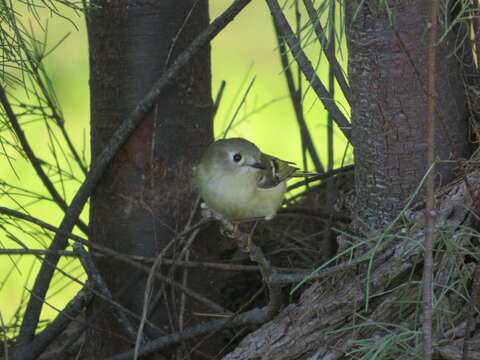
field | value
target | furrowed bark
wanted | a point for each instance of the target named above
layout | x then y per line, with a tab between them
146	195
387	67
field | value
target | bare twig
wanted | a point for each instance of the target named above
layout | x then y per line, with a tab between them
55	328
42	224
476	29
296	97
178	33
427	284
292	278
183	298
218	98
32	313
217	266
94	290
149	260
244	241
38	73
307	68
237	110
330	183
326	175
74	342
3	331
128	259
148	289
98	251
282	275
101	287
252	317
131	260
33	159
330	55
330	51
36	252
268	273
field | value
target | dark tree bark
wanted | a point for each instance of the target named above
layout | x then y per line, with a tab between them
146	196
387	69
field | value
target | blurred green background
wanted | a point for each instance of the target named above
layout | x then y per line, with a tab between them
245	49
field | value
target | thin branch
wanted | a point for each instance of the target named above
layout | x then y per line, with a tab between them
42	224
332	60
33	159
3	330
212	265
307	68
296	98
121	257
427	284
326	175
244	241
38	73
268	273
282	275
299	91
149	287
36	252
56	327
218	98
476	30
127	259
239	107
331	88
100	285
149	260
42	282
94	290
252	317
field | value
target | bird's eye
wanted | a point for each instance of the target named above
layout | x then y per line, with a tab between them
237	157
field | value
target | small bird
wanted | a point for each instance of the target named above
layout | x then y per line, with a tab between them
239	182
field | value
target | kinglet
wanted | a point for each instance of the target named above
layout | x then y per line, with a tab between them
239	182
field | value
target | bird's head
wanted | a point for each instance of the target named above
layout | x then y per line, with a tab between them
234	156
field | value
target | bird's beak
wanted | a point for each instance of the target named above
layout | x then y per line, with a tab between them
257	165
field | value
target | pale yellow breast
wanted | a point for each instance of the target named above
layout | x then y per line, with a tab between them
237	196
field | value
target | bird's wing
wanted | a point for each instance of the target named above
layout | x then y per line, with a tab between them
277	170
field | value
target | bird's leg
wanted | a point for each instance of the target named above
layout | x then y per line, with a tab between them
241	237
232	228
229	229
250	236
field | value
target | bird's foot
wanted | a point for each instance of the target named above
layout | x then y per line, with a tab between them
227	226
231	229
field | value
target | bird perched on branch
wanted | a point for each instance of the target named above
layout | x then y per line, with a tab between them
238	181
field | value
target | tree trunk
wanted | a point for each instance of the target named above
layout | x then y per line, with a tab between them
146	197
387	69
